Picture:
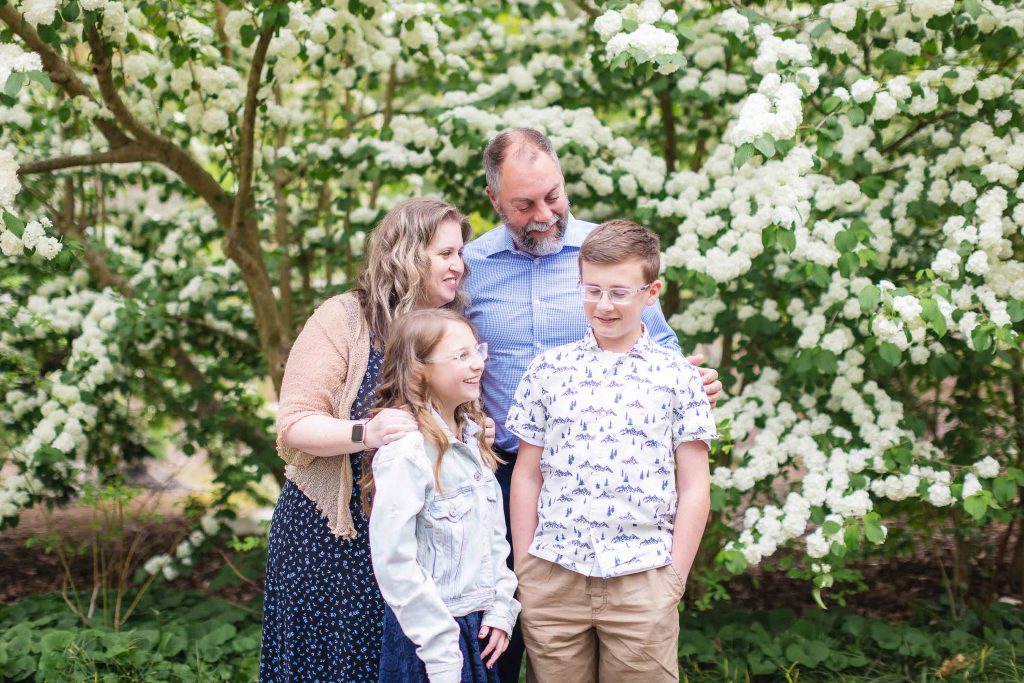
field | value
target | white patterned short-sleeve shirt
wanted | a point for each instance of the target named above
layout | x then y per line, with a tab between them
609	424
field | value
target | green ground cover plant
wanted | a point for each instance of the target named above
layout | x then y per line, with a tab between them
187	636
726	644
173	636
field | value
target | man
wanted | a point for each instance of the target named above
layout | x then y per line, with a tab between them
524	290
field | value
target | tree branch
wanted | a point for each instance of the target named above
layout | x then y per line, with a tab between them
58	69
914	131
586	8
247	142
164	151
119	155
668	122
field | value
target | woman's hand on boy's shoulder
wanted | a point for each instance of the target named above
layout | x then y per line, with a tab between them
389	425
497	643
709	377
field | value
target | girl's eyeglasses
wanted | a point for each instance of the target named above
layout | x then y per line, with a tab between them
465	356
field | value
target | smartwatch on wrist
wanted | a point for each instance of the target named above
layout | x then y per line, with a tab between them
359	432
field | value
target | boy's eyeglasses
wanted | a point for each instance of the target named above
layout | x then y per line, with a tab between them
464	357
617	295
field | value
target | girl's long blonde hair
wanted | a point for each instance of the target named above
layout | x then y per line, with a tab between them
413	338
396	263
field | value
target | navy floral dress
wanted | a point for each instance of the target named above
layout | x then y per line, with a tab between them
323	613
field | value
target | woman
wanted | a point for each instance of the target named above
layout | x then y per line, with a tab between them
323	611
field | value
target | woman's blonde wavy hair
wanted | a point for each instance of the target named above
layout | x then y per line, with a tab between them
396	263
414	337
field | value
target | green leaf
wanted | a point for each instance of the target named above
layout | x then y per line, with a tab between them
1004	489
982	338
13	223
976	506
931	314
270	16
733	560
71	11
974	8
848	263
14	83
831	528
57	640
852	537
846	240
830	104
873	528
827	363
890	353
869	297
1015	310
248	34
892	60
820	29
787	240
872	186
765	145
743	154
42	78
856	116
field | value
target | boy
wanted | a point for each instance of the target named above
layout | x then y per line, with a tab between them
602	547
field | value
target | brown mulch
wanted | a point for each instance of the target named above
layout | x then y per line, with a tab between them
895	584
29	568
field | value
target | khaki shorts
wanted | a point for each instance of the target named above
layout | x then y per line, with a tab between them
581	629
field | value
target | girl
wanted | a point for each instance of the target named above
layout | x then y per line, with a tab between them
437	532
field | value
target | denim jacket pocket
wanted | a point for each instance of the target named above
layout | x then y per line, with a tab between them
448	517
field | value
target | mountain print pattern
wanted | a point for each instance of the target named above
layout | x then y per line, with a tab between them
609	424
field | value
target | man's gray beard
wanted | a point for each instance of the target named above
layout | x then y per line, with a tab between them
525	242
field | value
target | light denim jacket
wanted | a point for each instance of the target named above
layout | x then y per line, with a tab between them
440	554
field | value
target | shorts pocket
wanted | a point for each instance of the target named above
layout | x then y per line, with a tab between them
678	585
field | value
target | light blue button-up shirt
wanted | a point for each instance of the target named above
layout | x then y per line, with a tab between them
522	305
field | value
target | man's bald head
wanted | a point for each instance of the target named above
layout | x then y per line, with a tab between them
518	144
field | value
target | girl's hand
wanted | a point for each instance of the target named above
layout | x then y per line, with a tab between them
390	424
497	642
489	432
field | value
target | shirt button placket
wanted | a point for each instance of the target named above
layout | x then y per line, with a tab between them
535	296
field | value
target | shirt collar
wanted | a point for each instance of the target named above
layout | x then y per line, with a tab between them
641	348
469	432
574	236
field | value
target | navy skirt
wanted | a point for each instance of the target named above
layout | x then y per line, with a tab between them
399	663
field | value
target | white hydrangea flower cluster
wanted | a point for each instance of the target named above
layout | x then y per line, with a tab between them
646	42
168	565
776	108
744	202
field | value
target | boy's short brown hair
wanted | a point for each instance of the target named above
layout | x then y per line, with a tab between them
619	241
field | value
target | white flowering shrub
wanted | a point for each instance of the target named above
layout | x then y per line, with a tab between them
849	234
837	186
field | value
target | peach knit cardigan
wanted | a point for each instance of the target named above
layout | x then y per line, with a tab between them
324	371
